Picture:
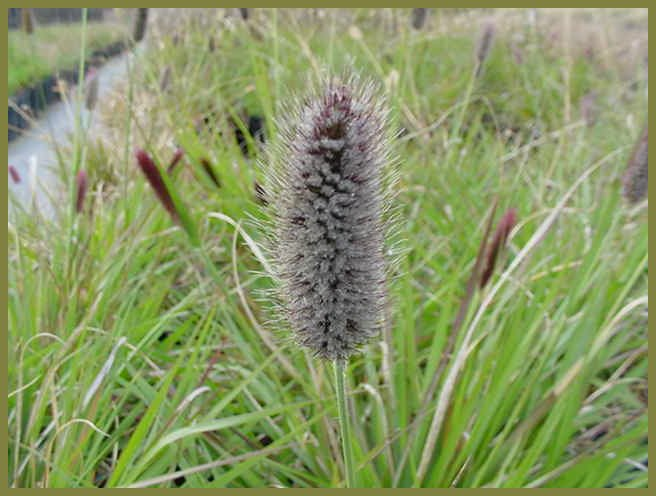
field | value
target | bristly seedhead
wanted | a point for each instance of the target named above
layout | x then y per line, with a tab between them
328	187
499	239
154	177
635	178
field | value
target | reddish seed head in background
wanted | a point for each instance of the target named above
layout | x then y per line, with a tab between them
635	180
150	170
15	176
210	172
506	224
82	182
588	108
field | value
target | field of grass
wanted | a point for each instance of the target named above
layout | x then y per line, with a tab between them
53	48
142	357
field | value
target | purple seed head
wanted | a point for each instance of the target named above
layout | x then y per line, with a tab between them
635	178
154	177
177	156
15	176
81	182
328	195
504	227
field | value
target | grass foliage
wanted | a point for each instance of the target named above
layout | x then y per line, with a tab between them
52	48
139	358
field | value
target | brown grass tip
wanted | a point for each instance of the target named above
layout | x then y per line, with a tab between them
154	177
504	227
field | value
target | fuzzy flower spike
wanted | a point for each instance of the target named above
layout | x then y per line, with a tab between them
329	191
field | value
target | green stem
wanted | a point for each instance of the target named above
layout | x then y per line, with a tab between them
344	423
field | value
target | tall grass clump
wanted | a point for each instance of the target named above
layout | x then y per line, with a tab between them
328	189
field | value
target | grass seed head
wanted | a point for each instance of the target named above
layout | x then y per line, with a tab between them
27	20
165	79
588	108
419	18
177	156
154	177
209	170
484	45
327	194
504	227
140	25
91	90
81	182
15	176
635	177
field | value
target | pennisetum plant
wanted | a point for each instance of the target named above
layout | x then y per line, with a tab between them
166	194
484	46
91	90
15	176
635	177
328	184
419	18
27	20
140	25
499	239
81	183
157	182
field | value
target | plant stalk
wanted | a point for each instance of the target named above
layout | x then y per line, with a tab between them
344	424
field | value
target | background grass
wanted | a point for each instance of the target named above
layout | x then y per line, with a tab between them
140	360
53	48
